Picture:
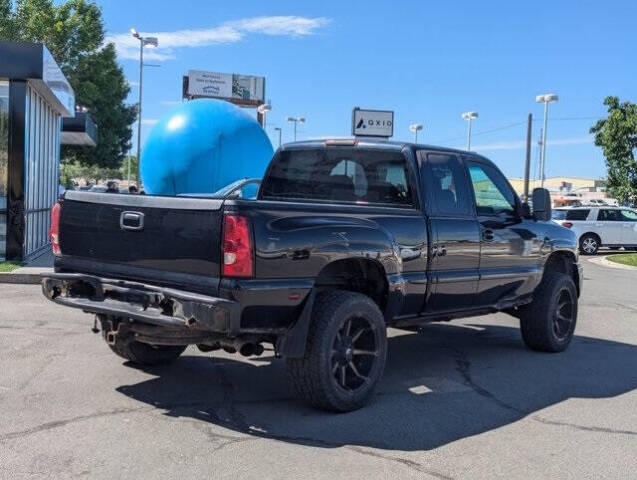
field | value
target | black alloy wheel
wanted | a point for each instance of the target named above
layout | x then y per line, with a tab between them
564	314
355	349
345	352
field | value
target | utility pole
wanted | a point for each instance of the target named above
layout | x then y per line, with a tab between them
527	163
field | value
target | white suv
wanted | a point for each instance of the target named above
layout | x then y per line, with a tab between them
595	227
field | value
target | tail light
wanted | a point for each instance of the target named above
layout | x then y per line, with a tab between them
54	231
567	224
237	247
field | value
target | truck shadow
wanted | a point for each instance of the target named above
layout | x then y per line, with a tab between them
443	384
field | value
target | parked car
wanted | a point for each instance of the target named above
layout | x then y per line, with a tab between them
246	188
600	226
346	238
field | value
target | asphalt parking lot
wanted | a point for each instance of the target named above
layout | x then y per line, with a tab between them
458	400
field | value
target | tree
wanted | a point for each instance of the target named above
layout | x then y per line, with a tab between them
74	33
617	135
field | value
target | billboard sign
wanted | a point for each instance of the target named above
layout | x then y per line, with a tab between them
372	123
240	89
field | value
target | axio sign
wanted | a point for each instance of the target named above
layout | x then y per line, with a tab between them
372	123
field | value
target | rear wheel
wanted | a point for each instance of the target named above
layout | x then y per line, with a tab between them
345	353
125	346
589	244
547	324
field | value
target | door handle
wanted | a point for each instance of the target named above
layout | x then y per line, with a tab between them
488	235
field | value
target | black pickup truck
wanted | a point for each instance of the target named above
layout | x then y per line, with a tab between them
345	238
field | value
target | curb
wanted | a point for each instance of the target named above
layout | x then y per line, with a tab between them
20	278
604	262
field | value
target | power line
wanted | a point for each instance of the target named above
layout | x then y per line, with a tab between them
512	125
483	132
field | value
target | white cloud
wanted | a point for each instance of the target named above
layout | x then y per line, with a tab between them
149	121
230	32
132	83
518	145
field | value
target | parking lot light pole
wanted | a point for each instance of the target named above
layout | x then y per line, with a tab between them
278	129
143	42
415	127
295	120
468	116
262	110
545	99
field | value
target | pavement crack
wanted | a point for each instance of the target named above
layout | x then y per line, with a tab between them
463	367
584	428
61	423
419	467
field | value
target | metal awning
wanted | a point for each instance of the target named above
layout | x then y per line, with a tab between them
79	130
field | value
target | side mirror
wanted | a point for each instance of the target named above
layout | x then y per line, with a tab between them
541	199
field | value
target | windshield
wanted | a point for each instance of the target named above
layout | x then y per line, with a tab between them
223	191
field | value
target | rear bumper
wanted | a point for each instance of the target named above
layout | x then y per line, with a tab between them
150	304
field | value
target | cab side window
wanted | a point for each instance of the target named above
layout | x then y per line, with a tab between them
493	194
445	182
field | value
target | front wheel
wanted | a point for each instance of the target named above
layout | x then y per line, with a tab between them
548	323
345	353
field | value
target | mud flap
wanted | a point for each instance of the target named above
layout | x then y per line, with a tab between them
292	344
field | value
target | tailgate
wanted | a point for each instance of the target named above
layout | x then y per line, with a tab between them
173	241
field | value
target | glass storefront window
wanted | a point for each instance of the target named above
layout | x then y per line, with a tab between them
4	162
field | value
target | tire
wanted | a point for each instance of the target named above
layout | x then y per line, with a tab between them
547	324
589	244
141	353
345	353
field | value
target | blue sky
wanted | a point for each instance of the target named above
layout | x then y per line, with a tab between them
429	61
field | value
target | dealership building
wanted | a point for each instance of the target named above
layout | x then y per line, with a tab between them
35	97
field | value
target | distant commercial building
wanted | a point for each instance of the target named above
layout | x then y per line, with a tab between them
568	190
34	97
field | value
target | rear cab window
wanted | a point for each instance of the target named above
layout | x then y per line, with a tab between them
443	179
358	176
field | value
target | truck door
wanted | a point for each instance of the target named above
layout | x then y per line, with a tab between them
510	250
454	233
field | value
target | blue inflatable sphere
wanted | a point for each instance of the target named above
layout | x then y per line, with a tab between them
201	146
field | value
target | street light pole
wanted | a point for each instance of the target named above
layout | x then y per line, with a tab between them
545	99
139	114
262	110
278	129
295	120
415	127
143	42
469	116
